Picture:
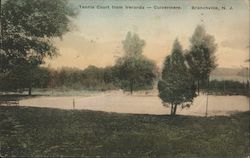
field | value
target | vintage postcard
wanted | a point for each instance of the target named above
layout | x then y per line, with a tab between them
124	78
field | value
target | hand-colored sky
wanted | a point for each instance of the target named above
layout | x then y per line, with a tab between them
97	34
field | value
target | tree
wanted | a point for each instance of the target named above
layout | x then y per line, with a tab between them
17	80
27	30
133	45
109	75
136	73
134	70
176	86
200	57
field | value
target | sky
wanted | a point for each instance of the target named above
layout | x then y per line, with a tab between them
97	34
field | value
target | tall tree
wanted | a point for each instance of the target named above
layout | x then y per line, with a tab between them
201	56
176	86
27	30
134	70
136	73
133	45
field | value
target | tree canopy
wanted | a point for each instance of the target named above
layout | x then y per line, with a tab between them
133	45
201	56
134	70
176	86
27	29
136	73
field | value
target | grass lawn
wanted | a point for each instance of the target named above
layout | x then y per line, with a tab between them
26	131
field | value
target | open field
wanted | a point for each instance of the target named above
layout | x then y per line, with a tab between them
140	103
29	131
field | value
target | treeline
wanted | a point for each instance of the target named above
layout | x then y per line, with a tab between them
94	78
91	78
226	87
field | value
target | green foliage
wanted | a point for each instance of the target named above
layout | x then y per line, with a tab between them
28	27
226	87
133	45
91	78
135	71
200	57
176	86
109	75
23	77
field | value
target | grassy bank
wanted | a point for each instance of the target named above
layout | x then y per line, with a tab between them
48	132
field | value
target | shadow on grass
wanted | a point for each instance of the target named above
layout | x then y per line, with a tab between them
29	131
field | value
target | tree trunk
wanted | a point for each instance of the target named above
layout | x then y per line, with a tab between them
131	86
207	96
30	89
224	87
173	109
198	87
30	79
